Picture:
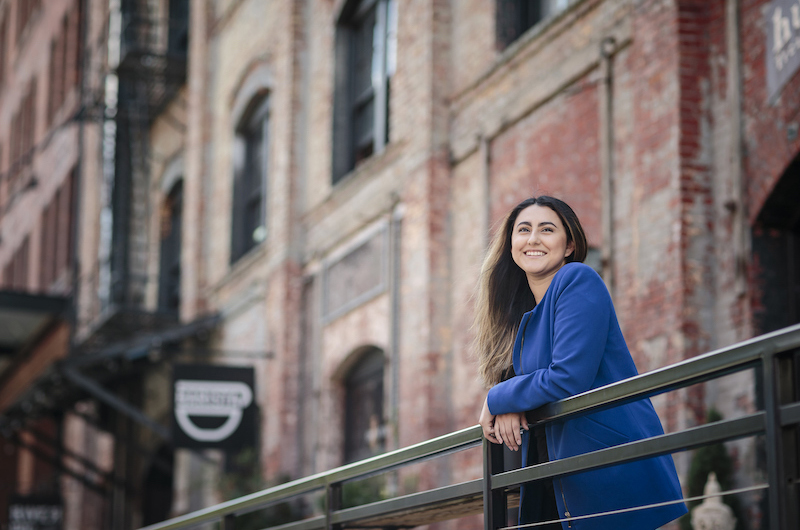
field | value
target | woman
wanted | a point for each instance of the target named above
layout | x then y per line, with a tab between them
547	330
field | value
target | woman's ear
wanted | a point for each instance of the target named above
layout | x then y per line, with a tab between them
570	249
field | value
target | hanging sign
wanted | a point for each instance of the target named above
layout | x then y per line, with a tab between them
35	513
213	406
783	43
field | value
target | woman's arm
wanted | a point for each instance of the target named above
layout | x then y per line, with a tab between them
582	316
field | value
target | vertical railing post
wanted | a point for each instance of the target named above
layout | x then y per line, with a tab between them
789	393
494	501
333	503
229	522
774	441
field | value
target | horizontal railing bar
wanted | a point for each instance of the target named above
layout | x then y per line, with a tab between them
447	443
790	414
410	501
312	523
657	445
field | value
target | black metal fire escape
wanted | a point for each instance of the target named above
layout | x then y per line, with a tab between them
152	68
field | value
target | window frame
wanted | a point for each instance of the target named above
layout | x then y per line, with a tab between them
249	206
368	371
348	149
522	15
169	270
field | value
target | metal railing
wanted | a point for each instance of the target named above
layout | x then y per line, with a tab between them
775	358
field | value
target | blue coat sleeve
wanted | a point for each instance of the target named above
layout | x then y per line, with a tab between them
581	316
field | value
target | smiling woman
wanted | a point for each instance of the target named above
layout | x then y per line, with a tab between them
540	244
547	330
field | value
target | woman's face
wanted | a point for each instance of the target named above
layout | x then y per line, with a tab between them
539	242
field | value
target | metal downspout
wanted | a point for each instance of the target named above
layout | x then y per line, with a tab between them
608	47
736	203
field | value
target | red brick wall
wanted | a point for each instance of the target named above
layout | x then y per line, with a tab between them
648	301
552	151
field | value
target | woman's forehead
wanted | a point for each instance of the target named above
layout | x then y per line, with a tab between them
535	214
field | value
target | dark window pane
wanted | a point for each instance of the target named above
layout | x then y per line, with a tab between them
515	17
365	429
169	292
363	124
250	169
363	50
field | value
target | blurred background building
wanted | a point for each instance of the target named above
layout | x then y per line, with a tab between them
307	188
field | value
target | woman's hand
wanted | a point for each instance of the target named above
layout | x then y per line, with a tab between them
487	423
507	429
503	428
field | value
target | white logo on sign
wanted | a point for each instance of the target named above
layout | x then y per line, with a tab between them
210	398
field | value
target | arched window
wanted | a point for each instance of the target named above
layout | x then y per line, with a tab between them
169	278
364	424
248	220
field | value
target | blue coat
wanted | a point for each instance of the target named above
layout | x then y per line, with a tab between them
569	343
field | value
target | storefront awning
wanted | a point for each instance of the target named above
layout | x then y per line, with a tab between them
24	317
33	335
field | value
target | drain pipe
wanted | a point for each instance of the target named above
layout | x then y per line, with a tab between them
485	154
608	47
735	204
395	230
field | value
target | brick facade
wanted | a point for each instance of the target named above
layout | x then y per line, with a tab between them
663	102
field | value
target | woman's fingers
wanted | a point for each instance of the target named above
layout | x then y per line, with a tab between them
508	426
488	424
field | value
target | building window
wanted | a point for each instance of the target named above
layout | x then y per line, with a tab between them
56	243
178	34
64	62
250	163
169	279
364	425
515	17
23	137
25	12
366	43
15	273
4	46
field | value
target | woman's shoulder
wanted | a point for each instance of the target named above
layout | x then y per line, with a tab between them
581	275
578	271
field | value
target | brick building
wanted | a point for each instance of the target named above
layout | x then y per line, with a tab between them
307	188
41	65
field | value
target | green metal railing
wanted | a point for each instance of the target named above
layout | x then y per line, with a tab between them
775	358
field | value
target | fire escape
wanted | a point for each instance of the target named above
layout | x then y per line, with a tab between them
153	41
152	68
127	338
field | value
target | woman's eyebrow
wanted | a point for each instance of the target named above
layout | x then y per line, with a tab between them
543	223
527	223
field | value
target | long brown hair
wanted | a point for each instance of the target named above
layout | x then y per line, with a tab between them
503	291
